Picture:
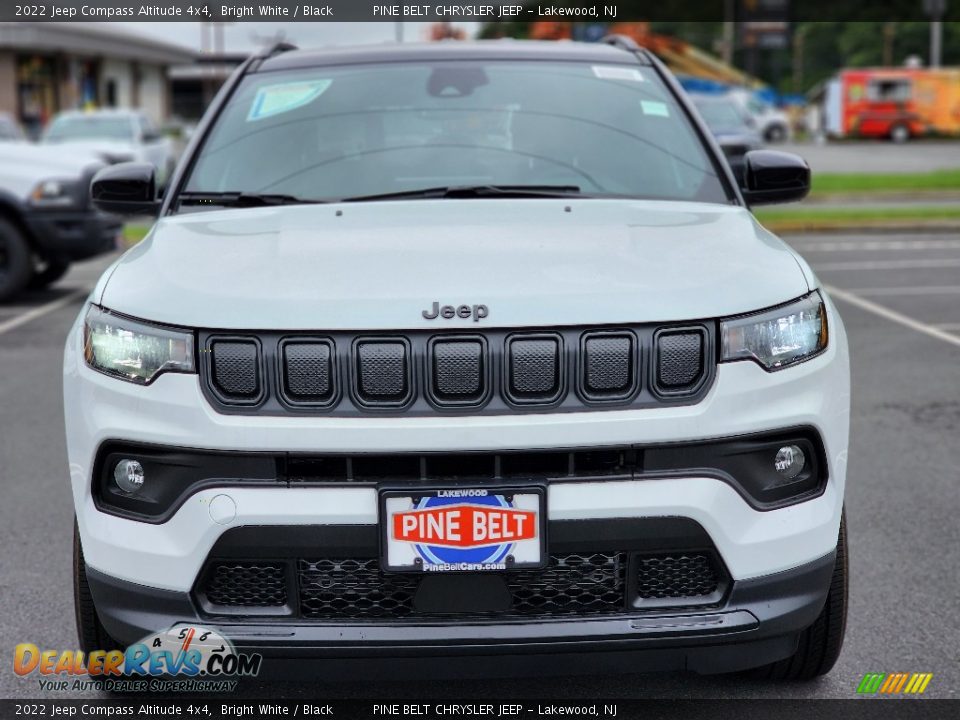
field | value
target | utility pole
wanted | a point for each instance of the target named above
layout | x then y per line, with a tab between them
799	42
936	43
889	32
729	30
935	10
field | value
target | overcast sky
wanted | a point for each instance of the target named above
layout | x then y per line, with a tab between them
247	36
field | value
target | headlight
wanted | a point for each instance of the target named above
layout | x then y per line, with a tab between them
779	337
133	350
55	193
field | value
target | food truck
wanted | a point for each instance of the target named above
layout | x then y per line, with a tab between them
893	103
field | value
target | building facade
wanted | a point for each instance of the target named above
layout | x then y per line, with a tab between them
46	68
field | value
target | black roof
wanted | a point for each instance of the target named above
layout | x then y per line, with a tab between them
452	50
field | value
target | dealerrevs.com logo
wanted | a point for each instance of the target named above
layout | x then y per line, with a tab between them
185	658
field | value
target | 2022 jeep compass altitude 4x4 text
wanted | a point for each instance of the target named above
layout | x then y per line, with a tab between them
468	355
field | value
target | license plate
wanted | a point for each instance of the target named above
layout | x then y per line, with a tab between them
462	529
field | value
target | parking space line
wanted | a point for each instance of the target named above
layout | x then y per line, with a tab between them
908	290
42	310
915	264
893	315
859	245
947	326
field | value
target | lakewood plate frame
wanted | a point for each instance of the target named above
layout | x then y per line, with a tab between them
417	493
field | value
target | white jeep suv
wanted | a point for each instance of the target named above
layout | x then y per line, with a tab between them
462	354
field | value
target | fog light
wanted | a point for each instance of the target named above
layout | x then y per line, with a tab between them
790	461
129	476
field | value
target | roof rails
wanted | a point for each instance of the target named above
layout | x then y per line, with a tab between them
275	49
624	42
257	59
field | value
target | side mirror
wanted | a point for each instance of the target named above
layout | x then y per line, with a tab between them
126	189
771	176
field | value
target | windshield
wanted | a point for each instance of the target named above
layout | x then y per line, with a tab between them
354	131
720	114
90	128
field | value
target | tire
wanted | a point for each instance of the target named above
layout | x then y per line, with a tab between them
90	632
54	270
775	134
820	644
899	134
16	264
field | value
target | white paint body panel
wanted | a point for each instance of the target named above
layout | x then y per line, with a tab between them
379	265
23	166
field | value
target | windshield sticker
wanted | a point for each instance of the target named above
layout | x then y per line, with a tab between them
652	107
277	99
617	72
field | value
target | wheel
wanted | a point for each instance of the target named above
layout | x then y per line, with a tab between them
820	644
775	134
91	633
53	271
899	133
15	261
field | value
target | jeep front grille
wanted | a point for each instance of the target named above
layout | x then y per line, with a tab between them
492	372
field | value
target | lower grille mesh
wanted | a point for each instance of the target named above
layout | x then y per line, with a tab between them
353	588
572	585
662	577
247	585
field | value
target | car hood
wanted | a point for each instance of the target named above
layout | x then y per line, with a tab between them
42	161
379	265
110	150
737	137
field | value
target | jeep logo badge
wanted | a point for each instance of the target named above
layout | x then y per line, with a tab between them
477	312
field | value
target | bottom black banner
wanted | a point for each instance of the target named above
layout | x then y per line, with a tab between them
192	708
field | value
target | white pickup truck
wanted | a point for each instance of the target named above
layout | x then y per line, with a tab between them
46	218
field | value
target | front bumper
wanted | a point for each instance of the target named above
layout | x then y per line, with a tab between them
74	235
778	562
758	624
173	412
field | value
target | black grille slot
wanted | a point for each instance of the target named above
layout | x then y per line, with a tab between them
374	468
308	372
235	370
677	577
680	361
383	373
246	585
458	373
331	468
353	588
480	466
534	464
534	369
575	584
609	366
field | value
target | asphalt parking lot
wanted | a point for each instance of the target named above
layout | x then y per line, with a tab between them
876	156
900	299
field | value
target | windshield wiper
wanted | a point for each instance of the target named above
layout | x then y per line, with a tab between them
474	191
241	199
